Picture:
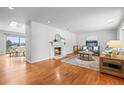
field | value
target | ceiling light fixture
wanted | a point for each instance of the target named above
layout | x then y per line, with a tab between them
48	22
13	24
110	21
11	8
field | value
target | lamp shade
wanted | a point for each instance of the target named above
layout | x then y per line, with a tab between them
115	44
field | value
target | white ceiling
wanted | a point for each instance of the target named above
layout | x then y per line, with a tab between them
72	19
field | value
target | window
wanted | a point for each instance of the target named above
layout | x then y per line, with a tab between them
14	42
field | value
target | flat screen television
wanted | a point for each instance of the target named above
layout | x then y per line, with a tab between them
91	43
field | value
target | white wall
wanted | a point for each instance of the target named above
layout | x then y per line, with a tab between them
122	38
120	33
40	35
28	41
2	43
102	36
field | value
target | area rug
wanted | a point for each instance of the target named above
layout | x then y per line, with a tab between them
94	64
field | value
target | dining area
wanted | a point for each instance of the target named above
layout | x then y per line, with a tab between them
18	51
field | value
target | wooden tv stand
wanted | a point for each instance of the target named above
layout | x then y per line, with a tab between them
112	65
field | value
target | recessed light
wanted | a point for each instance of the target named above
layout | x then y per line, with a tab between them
48	21
11	8
13	24
110	21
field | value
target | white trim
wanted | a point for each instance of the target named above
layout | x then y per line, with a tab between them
39	60
28	61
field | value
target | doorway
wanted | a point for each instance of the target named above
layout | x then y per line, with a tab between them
15	46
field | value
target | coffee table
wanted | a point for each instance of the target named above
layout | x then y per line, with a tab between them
88	53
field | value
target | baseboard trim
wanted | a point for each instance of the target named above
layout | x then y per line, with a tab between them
28	61
40	60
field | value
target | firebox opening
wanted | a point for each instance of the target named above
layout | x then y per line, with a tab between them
57	51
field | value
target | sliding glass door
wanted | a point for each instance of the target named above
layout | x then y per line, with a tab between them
14	42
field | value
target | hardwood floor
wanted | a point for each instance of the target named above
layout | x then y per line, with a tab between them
17	71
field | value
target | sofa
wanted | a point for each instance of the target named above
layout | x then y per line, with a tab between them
94	49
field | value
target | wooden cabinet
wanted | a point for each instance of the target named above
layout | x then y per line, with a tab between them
76	48
112	65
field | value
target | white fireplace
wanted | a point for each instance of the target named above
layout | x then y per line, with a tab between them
57	50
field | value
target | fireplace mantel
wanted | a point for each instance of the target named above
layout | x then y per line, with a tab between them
55	45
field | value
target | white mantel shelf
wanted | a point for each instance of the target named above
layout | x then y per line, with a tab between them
57	43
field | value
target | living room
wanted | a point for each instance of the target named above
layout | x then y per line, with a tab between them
61	43
90	30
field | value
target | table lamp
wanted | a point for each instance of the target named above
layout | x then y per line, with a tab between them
115	44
